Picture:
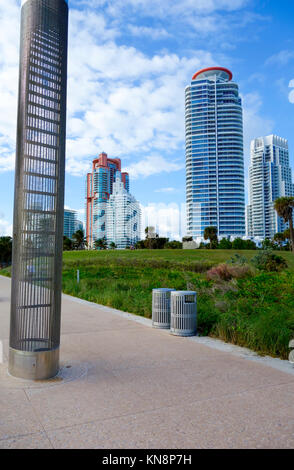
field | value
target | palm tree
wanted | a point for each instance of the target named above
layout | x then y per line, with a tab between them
79	238
210	233
112	245
101	244
284	208
67	244
150	236
279	238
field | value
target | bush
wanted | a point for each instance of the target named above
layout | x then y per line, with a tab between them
267	261
237	259
225	272
5	251
174	245
240	244
225	244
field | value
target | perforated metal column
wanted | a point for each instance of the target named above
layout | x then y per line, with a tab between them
39	190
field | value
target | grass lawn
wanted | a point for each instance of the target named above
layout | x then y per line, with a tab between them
256	311
211	257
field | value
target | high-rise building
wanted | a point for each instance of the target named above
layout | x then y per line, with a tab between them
39	190
70	223
214	154
123	216
269	178
79	225
99	186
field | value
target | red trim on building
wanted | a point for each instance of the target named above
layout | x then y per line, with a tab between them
101	162
222	69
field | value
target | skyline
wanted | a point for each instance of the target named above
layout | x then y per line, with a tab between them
126	88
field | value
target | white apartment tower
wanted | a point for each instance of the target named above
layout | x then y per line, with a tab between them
269	178
123	216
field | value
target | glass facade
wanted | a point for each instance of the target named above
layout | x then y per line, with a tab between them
214	155
99	187
123	216
270	177
70	223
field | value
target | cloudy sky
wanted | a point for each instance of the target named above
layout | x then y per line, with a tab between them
129	63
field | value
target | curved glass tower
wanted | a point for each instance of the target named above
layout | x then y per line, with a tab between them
214	154
39	190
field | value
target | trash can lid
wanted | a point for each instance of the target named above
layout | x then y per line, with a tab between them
162	290
184	292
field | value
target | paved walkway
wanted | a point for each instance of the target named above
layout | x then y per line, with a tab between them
126	385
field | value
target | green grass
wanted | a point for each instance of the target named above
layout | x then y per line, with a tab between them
212	257
257	311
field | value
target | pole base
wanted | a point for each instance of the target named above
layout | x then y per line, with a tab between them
33	365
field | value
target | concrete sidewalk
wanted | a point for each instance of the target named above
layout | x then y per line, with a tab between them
125	385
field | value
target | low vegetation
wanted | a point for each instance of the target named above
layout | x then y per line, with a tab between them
244	297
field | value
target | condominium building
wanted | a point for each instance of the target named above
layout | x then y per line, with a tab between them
269	178
70	223
123	216
214	154
99	187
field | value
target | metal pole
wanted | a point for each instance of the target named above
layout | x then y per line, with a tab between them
78	276
39	190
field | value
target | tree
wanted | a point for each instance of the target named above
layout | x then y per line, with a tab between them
240	244
5	250
267	244
150	236
187	239
140	245
225	244
67	244
101	244
79	239
210	233
279	238
113	246
174	245
284	208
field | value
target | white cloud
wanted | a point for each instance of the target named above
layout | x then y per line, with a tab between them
281	58
167	8
255	123
291	94
5	226
169	220
152	165
151	33
9	38
123	101
120	100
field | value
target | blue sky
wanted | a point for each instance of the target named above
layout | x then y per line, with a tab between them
129	62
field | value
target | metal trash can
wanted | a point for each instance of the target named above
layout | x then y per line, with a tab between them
183	313
161	308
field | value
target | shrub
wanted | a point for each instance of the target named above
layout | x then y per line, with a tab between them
240	272
174	245
225	272
225	244
240	244
266	260
220	272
